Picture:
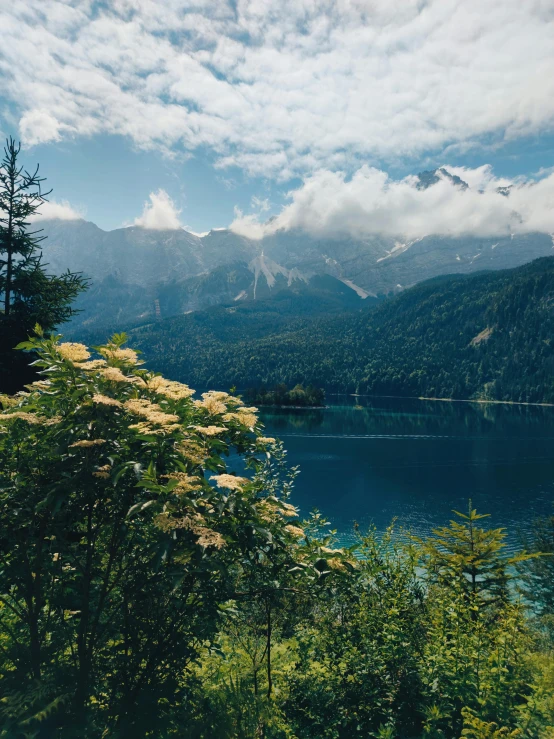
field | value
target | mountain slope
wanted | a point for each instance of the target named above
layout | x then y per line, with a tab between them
110	304
287	299
137	255
487	335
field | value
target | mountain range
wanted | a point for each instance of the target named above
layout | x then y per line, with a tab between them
139	274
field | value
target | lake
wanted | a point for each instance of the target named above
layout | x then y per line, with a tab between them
372	459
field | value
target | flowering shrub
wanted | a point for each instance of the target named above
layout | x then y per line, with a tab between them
123	531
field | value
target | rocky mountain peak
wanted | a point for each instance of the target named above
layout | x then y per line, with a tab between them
431	177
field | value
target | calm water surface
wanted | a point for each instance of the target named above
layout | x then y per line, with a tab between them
368	460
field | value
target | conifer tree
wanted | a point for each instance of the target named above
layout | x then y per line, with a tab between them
471	558
28	295
538	573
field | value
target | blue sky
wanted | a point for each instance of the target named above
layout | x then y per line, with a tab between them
108	180
212	111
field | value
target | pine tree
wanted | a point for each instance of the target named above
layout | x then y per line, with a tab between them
538	573
28	295
471	558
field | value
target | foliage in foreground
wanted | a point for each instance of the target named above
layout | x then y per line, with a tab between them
124	534
156	582
405	645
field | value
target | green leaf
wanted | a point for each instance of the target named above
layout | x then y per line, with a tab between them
25	345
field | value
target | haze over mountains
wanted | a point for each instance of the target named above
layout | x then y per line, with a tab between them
140	274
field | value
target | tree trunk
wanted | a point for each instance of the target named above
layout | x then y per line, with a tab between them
34	647
269	681
9	249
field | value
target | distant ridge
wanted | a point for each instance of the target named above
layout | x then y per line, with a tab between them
482	336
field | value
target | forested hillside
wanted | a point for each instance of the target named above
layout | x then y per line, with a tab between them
486	336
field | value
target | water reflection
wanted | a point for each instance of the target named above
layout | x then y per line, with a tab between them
371	459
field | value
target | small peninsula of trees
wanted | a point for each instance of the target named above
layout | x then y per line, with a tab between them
298	397
27	293
157	581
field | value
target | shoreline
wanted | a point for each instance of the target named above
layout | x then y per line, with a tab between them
410	397
446	400
295	407
498	402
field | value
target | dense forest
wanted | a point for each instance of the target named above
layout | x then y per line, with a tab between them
485	336
147	590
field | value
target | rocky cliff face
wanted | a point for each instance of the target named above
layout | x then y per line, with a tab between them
136	255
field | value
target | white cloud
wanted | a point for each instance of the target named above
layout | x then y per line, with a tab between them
62	211
159	213
39	127
329	203
251	226
282	87
261	204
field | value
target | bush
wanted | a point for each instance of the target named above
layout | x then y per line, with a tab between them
123	534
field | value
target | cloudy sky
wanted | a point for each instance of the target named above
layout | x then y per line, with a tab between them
212	112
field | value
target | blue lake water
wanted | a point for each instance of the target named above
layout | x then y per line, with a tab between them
368	460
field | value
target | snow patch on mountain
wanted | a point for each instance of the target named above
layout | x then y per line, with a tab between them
295	274
262	265
398	249
357	289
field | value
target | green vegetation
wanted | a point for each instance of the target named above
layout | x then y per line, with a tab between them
539	573
123	537
298	396
156	581
28	295
485	336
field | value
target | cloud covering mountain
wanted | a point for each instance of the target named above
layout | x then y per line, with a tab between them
374	234
159	213
370	202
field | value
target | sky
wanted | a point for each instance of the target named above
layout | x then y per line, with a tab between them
279	114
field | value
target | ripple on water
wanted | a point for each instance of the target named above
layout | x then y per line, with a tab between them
418	460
